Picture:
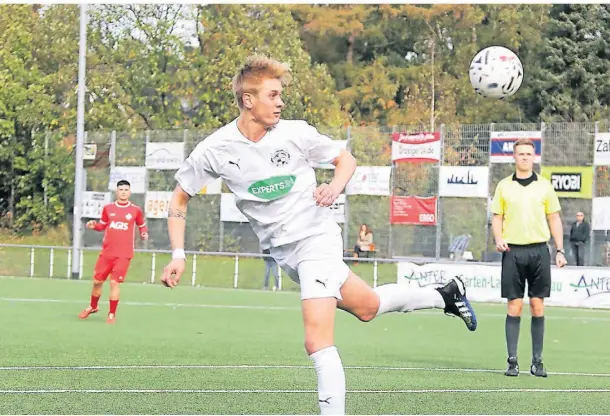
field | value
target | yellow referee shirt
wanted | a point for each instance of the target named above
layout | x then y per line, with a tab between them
525	209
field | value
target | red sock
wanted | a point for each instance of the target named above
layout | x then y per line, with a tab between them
94	301
113	305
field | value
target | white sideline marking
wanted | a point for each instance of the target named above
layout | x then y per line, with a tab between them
276	308
273	367
157	391
176	305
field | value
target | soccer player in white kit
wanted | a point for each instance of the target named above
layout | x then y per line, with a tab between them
267	163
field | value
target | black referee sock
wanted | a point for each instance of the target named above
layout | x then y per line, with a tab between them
513	325
537	337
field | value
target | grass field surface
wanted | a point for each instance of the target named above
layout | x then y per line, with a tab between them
201	350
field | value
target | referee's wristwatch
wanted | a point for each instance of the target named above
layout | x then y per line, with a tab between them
562	251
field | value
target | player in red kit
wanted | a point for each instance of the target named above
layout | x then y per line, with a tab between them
119	220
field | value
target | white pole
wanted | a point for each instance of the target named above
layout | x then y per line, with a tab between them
152	268
32	262
51	261
69	262
375	274
194	275
80	265
80	134
236	274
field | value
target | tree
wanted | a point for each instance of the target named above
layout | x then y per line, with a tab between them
573	82
228	34
138	53
37	73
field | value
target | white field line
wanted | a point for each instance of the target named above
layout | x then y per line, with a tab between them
271	367
276	308
191	391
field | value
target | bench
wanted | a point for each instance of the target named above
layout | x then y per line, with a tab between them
458	246
350	252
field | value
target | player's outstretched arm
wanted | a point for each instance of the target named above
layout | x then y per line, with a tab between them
176	224
345	166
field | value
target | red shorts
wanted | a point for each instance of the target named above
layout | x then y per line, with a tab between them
114	266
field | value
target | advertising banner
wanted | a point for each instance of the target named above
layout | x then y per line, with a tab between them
93	203
136	176
570	181
164	155
157	204
416	147
502	142
600	214
370	180
602	149
464	181
576	287
413	210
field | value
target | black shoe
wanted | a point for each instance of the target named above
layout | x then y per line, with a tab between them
513	367
456	303
537	369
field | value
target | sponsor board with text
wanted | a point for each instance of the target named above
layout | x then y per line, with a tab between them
582	287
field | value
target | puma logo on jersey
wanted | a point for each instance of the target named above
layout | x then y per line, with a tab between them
119	225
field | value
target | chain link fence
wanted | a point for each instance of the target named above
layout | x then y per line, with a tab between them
563	144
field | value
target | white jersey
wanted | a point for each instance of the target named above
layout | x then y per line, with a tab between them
273	179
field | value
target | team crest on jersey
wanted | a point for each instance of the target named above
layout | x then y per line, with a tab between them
280	157
128	216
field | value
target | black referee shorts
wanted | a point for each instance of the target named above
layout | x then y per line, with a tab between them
531	263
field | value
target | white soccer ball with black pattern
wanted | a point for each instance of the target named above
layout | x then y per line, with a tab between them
496	72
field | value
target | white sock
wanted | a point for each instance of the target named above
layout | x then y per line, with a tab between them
406	298
331	381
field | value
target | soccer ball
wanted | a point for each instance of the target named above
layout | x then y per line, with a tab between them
496	72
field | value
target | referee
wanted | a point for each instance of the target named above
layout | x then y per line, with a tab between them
525	206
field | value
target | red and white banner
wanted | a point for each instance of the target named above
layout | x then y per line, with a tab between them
416	147
413	210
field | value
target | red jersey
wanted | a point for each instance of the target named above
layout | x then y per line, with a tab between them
120	222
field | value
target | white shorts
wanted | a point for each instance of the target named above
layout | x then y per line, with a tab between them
316	264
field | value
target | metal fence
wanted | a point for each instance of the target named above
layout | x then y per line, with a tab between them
563	144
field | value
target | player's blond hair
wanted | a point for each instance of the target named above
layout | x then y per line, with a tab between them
255	70
523	142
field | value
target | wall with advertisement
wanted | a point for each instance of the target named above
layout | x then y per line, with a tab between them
464	181
601	148
570	181
416	147
601	213
370	180
413	210
582	287
501	145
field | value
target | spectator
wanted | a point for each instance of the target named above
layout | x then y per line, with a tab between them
365	239
579	235
270	267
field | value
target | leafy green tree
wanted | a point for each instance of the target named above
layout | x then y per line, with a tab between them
227	35
36	80
573	82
